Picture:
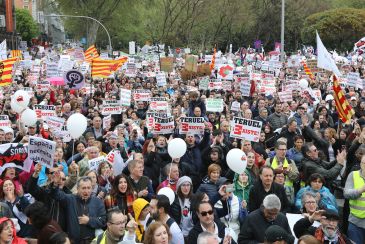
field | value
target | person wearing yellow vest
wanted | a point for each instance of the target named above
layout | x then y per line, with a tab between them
116	229
287	165
355	191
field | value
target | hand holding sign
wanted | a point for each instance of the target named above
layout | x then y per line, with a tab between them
74	79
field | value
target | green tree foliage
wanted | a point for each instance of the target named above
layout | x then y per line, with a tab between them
338	28
25	25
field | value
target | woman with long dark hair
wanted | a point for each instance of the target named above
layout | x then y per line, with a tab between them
121	195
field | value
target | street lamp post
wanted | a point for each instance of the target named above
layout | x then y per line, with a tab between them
85	17
282	30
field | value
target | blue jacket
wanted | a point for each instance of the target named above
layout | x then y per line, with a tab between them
328	200
93	207
42	178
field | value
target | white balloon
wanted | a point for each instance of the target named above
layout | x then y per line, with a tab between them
21	98
14	106
28	117
303	83
76	125
237	160
167	191
176	148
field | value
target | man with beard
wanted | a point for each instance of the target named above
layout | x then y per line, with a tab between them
159	209
327	232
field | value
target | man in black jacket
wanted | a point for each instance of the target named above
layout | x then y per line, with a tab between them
265	186
253	229
207	223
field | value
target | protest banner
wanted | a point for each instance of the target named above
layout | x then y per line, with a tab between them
13	153
285	96
111	107
52	70
107	120
29	90
44	111
141	95
158	104
132	48
43	85
225	72
235	106
55	123
41	151
94	163
4	121
191	63
215	85
74	79
245	85
84	67
161	78
167	64
246	129
204	83
63	134
114	157
214	105
203	70
125	97
194	125
227	85
163	125
291	85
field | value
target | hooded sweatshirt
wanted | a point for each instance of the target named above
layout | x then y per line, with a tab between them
16	240
138	205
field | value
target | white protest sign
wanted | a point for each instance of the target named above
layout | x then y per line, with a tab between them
194	125
227	85
84	67
132	47
225	72
43	85
107	121
291	85
111	107
44	111
29	90
55	123
235	106
285	96
352	79
52	70
41	151
245	85
214	105
163	125
246	129
94	163
215	85
117	162
4	121
161	79
203	83
158	104
63	134
65	65
141	95
125	97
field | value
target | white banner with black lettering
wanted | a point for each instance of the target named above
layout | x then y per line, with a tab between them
245	129
194	125
41	151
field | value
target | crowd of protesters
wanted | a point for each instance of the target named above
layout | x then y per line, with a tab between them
305	160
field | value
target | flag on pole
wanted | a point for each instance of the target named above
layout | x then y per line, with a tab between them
325	60
6	71
16	54
91	53
343	107
213	60
308	71
104	68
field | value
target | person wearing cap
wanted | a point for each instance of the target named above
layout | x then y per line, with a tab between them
141	210
355	191
258	221
277	235
327	232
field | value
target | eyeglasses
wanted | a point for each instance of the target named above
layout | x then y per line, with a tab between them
205	213
119	223
310	202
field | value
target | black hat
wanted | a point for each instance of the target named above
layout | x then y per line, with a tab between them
277	233
331	214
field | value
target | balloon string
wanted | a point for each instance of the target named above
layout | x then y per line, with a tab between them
73	150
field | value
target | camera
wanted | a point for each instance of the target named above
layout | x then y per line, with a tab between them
229	188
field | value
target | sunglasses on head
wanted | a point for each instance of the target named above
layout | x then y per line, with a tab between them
205	213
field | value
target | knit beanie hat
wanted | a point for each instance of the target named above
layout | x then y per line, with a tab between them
182	180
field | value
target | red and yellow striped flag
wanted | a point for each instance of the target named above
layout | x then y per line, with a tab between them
308	71
6	71
213	60
343	107
16	54
104	68
91	53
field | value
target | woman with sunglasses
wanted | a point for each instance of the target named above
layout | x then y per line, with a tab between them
324	198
